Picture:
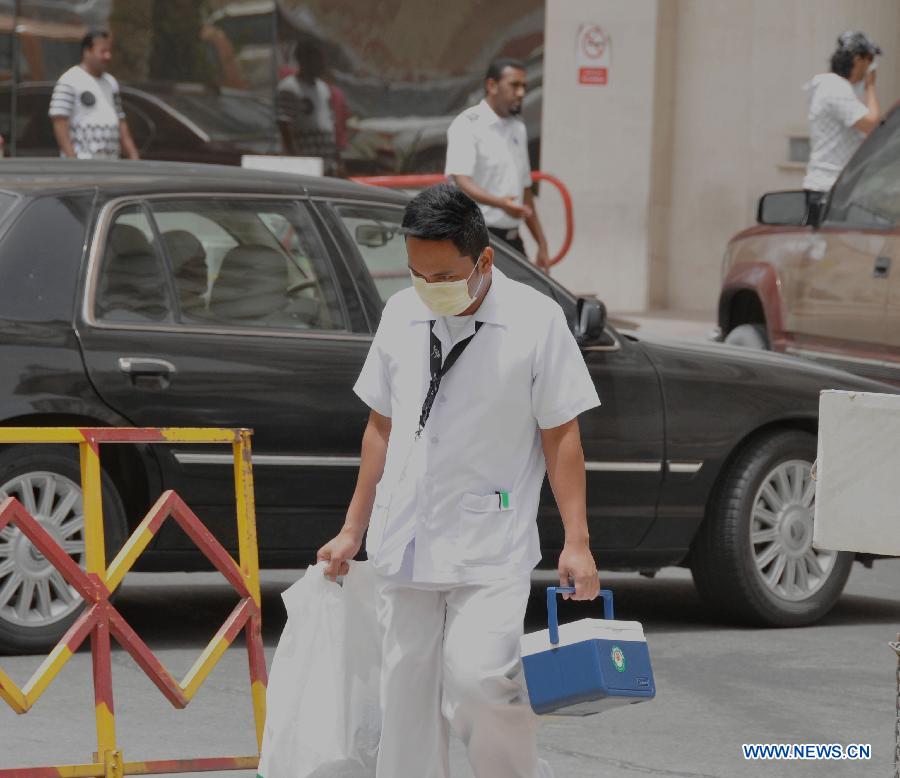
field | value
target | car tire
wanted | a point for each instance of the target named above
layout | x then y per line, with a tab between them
752	558
749	336
47	481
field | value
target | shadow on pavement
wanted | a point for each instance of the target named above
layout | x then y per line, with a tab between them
177	616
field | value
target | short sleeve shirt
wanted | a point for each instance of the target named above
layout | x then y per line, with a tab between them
306	108
94	109
833	110
465	493
494	153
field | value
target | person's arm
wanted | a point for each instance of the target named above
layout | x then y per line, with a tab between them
128	145
63	139
542	258
338	551
565	469
479	195
287	139
873	118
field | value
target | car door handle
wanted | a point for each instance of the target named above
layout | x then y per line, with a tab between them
151	373
882	267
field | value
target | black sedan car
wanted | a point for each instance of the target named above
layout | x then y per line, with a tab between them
171	122
159	294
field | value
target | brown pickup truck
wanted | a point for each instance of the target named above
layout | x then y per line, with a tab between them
822	285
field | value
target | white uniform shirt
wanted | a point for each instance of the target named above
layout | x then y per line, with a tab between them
522	372
833	110
94	109
494	153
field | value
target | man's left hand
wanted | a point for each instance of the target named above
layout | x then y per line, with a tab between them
542	258
576	563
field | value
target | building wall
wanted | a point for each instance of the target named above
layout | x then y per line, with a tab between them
739	72
693	128
596	139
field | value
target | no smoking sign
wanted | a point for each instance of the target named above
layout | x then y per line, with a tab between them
592	55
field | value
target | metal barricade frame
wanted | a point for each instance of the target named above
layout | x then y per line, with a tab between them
101	621
420	180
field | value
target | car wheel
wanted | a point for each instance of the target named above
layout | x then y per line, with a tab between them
749	336
753	557
37	606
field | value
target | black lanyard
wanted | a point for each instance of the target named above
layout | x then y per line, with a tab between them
439	369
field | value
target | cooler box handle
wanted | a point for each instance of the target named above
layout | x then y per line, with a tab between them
552	620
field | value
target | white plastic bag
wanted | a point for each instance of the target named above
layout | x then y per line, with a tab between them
323	718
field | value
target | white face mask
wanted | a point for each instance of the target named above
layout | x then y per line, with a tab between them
447	298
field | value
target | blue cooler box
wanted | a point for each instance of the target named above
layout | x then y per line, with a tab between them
587	666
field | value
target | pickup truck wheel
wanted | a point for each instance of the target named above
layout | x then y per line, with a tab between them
753	558
748	336
37	606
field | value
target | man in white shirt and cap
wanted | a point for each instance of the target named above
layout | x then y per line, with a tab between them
843	109
475	384
487	157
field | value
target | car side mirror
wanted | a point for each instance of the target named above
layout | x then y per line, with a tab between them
591	320
372	236
783	208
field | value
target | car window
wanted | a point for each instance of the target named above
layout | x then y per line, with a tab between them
247	264
132	284
868	192
140	125
376	234
516	269
34	130
39	268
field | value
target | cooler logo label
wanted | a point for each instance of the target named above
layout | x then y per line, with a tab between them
618	659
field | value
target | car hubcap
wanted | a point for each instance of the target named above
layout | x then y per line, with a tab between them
33	593
781	534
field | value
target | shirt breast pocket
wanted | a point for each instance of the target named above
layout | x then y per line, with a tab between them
485	528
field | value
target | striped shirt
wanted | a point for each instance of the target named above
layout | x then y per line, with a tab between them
93	107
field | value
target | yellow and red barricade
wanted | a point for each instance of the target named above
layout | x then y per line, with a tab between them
101	621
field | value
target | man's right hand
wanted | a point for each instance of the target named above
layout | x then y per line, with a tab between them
870	78
514	209
338	552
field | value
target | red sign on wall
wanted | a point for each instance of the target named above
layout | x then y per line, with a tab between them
592	76
592	55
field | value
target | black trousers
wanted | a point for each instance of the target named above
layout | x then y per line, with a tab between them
504	235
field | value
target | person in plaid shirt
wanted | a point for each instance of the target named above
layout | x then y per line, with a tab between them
304	109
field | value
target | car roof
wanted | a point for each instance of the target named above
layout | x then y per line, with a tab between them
115	178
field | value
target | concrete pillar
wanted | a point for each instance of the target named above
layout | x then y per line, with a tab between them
599	140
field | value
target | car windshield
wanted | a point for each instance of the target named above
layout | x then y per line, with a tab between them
226	116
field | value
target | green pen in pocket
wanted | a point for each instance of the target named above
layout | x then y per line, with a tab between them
502	500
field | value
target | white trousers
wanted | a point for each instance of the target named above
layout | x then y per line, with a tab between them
451	662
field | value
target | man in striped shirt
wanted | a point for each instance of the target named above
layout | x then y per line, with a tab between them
86	107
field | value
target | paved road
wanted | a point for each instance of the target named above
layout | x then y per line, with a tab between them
719	686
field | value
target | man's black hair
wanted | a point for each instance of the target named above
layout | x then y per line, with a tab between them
842	62
87	42
310	58
443	212
496	68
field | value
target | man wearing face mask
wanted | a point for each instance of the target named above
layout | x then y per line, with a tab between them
487	157
843	109
475	385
